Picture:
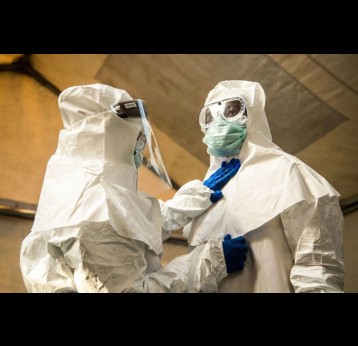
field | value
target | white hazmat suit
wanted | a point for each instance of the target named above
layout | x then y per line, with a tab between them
93	231
289	214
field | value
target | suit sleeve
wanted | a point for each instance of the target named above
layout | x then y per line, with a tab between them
314	232
190	201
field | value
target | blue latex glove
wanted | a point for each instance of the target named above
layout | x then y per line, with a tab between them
220	177
235	251
215	196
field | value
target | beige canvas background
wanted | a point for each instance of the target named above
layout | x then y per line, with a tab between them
312	107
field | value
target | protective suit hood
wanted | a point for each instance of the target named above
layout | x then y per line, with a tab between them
255	99
95	137
258	131
92	176
268	176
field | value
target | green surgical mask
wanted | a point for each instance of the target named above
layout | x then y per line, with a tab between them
224	138
138	158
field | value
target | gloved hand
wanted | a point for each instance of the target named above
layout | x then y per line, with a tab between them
235	251
219	178
215	196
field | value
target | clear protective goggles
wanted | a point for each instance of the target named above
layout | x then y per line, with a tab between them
231	109
137	109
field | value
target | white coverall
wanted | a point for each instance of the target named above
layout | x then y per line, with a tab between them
289	214
93	231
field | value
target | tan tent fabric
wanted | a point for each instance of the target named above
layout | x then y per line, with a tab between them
311	105
30	122
322	88
312	113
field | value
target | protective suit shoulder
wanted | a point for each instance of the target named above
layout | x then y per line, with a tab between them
308	180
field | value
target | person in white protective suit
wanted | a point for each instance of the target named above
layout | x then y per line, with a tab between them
93	231
288	213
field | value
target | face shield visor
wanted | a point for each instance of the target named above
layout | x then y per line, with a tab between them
231	109
137	109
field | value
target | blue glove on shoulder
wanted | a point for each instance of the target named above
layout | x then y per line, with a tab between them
215	196
235	251
220	177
